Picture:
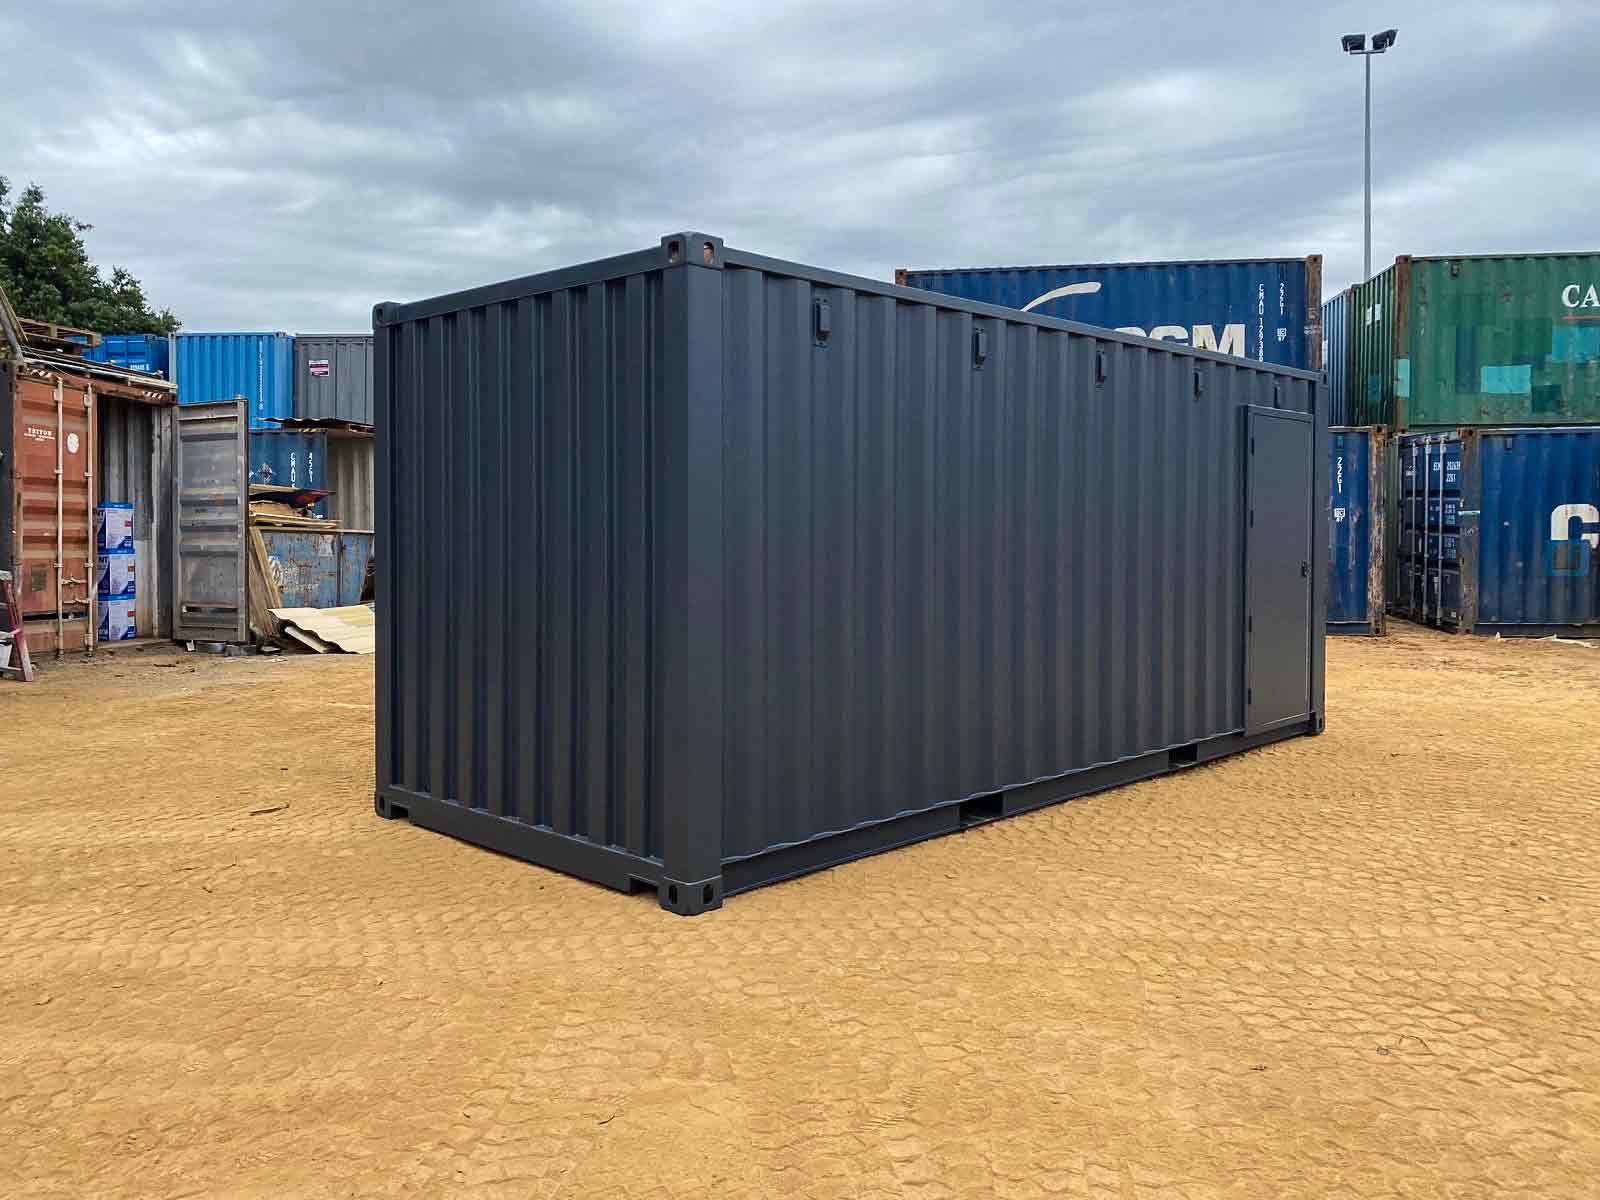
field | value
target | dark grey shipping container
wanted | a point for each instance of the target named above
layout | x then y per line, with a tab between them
702	570
333	377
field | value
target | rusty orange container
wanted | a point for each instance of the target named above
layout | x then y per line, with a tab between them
48	455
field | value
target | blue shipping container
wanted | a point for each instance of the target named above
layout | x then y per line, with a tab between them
1356	531
220	366
290	459
147	352
1268	310
1500	530
1337	349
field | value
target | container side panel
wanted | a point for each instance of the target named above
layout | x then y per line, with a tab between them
350	479
1336	356
1351	543
46	436
956	562
333	377
147	352
1258	310
305	567
1375	375
291	459
517	560
221	366
1539	529
355	548
1509	340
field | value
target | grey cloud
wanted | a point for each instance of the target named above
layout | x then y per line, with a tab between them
285	165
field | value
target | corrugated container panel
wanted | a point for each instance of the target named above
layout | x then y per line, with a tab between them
221	366
1500	528
1503	340
1378	325
315	569
1266	310
1337	355
355	548
1357	533
752	568
110	441
291	458
147	352
350	479
333	377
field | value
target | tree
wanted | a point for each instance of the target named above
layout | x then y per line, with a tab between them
45	269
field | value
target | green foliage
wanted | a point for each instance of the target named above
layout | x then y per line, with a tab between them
46	271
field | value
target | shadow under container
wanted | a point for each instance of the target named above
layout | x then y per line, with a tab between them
701	570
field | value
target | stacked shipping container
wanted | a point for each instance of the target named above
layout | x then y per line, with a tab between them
1265	310
1457	346
1442	343
1499	530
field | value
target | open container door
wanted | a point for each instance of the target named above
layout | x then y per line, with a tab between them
211	507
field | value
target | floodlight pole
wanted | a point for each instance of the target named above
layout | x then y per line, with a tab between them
1366	262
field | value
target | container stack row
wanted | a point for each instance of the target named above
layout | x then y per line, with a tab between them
324	378
1482	373
318	376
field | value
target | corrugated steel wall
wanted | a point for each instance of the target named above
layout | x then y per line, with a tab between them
1337	351
1378	324
815	552
350	479
1539	536
1264	310
522	457
906	540
1358	531
340	387
149	352
1504	340
220	366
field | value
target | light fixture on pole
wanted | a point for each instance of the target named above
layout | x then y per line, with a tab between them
1356	43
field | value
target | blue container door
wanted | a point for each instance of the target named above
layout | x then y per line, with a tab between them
1539	530
1430	529
1354	551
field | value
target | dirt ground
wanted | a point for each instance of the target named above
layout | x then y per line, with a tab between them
1364	964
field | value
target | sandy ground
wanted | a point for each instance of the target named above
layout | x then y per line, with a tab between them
1359	965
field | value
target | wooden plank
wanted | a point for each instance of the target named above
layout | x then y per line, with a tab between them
264	593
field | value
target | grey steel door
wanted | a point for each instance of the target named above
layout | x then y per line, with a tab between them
1278	564
212	502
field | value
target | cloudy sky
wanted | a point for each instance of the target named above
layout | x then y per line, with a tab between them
285	165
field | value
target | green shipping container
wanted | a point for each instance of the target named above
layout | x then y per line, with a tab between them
1478	340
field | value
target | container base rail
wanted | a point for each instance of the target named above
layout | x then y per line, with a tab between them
631	873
